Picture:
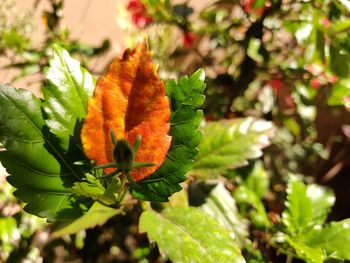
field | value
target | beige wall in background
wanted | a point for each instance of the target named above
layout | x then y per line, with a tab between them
90	21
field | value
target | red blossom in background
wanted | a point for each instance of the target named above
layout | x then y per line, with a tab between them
139	15
326	22
276	84
333	78
315	83
188	39
319	76
248	6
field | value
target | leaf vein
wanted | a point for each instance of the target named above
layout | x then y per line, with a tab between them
41	134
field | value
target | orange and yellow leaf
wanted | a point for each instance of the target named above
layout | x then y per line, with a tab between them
130	99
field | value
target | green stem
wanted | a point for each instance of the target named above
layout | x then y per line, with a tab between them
122	194
113	137
123	182
283	251
123	189
116	172
128	176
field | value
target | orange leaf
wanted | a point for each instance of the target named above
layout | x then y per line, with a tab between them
130	99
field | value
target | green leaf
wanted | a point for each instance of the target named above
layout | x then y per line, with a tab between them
14	40
339	61
309	254
229	144
253	50
221	205
39	170
67	94
344	4
258	3
8	232
257	180
190	235
92	187
334	238
338	92
186	97
306	210
97	215
297	215
339	26
251	205
322	199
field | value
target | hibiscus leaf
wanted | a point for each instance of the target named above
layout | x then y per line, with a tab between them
308	253
186	97
334	238
97	215
38	168
66	96
297	215
230	144
188	234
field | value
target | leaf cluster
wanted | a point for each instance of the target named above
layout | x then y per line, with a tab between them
306	232
41	140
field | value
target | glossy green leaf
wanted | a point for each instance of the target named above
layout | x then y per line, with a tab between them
303	32
37	167
339	26
257	180
322	199
190	235
259	3
92	187
41	168
309	254
339	61
97	215
334	238
252	206
306	210
338	92
66	96
229	144
344	4
297	215
186	97
306	206
221	205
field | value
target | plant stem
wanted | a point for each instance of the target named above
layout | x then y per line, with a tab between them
123	182
289	259
122	194
123	189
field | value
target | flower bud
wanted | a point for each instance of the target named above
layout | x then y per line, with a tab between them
123	155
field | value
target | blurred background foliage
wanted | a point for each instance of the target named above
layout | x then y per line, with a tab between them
282	61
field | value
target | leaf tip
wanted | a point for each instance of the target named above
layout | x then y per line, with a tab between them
201	74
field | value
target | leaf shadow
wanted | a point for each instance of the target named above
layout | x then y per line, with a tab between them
198	192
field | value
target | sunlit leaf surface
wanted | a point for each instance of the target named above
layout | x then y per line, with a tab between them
190	235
